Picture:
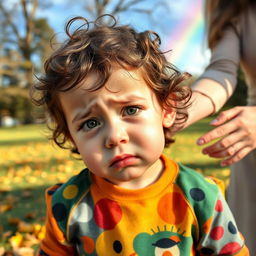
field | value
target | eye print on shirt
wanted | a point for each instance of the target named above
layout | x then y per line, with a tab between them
162	243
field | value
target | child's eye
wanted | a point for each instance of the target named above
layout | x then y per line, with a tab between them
131	110
90	124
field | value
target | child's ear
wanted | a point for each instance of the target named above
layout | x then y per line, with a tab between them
169	115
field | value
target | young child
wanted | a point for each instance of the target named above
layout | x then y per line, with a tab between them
114	97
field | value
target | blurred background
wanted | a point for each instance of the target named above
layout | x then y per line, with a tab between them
27	26
28	161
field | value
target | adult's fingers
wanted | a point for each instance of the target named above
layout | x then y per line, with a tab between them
225	142
218	132
226	116
230	151
237	157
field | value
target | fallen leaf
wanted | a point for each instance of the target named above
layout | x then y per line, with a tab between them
29	240
16	240
4	190
14	221
24	251
30	215
25	227
5	207
11	199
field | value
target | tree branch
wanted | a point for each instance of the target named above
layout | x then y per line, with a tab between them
123	6
9	21
29	19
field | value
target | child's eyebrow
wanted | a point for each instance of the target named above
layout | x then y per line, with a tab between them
81	115
126	100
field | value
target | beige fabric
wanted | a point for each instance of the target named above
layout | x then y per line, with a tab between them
238	46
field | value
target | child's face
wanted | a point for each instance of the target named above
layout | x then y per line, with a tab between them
118	129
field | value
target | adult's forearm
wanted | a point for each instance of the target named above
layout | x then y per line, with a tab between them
200	107
207	98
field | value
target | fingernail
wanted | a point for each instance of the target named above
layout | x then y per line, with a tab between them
200	141
214	121
204	152
223	164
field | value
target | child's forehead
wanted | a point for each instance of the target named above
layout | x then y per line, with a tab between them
117	79
123	85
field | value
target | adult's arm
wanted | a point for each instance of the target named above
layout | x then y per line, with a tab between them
236	128
214	87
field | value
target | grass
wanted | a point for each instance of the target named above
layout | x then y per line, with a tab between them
29	163
186	151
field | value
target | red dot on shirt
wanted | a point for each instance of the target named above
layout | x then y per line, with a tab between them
107	213
230	248
89	245
217	233
219	206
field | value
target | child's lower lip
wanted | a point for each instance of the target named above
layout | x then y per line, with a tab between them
130	160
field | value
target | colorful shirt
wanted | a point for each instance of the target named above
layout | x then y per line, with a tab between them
182	213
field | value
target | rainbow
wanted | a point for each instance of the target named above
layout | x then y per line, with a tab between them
185	34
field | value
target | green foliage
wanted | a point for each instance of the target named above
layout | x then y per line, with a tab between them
16	103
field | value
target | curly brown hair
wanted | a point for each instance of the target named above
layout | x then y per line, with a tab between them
95	49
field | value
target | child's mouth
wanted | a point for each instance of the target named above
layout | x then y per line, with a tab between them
123	161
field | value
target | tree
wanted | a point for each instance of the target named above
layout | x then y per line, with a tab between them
99	7
20	29
96	8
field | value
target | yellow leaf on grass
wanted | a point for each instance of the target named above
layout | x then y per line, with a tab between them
39	231
41	235
37	228
29	240
25	227
24	251
16	240
5	207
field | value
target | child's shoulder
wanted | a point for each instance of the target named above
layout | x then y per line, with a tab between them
189	179
62	197
71	189
202	193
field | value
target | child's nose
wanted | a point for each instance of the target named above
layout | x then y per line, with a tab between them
116	135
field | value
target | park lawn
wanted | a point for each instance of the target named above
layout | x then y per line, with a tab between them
29	163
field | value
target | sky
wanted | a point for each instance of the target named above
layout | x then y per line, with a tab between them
180	26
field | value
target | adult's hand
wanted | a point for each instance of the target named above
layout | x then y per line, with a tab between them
235	133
